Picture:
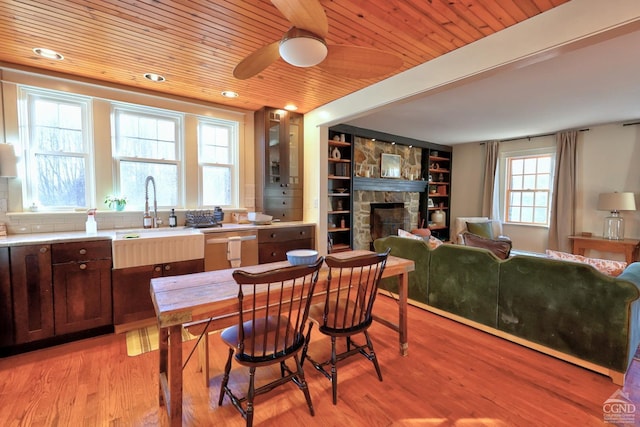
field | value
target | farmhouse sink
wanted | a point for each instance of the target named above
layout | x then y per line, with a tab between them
133	248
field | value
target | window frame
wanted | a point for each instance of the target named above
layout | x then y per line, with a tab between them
26	98
156	113
233	166
506	159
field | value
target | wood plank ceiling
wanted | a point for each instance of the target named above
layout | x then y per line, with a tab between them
196	44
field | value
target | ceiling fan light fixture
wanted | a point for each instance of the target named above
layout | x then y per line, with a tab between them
302	48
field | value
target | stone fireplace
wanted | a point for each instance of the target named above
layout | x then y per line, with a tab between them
407	215
370	190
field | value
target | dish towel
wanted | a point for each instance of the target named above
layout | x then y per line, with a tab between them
234	251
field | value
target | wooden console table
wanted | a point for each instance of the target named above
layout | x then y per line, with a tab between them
629	247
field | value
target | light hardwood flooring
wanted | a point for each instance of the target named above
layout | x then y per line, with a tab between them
453	376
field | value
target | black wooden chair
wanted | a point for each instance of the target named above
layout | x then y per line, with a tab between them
273	308
346	311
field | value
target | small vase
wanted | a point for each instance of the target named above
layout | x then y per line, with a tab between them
119	206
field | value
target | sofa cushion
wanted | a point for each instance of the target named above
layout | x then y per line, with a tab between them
483	229
608	267
407	235
501	247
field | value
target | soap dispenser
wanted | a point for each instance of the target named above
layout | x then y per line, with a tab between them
173	219
91	226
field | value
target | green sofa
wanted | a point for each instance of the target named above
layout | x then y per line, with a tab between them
562	308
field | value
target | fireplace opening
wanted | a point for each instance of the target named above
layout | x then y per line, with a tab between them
386	218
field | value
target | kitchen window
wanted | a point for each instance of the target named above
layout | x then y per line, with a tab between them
528	189
55	134
217	157
147	142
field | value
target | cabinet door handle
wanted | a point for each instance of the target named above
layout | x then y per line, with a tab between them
43	249
302	233
167	267
157	268
273	254
273	235
83	251
83	266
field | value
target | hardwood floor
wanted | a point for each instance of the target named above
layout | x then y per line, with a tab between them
453	376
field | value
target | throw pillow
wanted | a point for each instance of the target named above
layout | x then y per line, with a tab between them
501	248
608	267
433	242
406	234
482	229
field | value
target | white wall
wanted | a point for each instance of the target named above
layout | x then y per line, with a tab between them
607	156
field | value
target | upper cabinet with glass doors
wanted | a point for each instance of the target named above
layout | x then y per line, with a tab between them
279	136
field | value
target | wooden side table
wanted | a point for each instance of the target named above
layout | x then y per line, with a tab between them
629	247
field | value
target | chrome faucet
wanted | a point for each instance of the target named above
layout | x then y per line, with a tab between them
148	221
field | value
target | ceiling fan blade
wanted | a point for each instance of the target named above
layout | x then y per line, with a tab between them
257	61
359	62
306	14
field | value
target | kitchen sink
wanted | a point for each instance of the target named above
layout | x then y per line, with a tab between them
132	248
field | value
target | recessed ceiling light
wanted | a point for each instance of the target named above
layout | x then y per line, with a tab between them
290	107
48	53
229	94
154	77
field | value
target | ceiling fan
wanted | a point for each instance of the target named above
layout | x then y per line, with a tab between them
303	45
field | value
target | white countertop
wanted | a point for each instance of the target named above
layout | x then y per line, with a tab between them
74	236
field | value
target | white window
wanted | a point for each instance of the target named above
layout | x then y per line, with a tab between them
528	189
54	129
217	158
147	142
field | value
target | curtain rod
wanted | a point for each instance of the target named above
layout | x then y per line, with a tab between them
536	136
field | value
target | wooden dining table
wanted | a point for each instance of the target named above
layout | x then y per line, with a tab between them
213	296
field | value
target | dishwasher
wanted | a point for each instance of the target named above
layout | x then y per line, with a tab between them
230	249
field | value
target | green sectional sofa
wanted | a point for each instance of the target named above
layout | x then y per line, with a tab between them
562	308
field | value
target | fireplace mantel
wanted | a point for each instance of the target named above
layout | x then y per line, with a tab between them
388	184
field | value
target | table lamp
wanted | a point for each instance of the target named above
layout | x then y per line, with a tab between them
615	202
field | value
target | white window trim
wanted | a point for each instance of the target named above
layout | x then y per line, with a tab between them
499	202
233	166
142	110
25	95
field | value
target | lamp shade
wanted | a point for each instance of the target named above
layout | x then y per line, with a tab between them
302	48
8	161
616	202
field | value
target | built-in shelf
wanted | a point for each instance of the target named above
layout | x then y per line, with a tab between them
388	184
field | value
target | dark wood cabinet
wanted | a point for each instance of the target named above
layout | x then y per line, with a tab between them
131	288
274	243
32	287
81	285
279	163
6	300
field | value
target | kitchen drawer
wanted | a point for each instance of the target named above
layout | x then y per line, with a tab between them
277	251
285	234
80	251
